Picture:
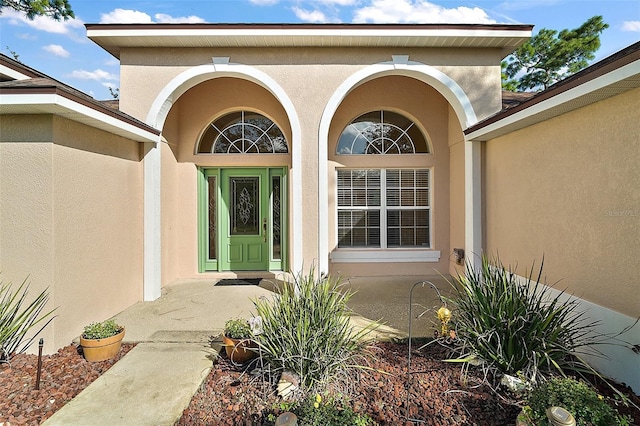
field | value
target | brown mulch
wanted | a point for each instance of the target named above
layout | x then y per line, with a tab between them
64	375
438	396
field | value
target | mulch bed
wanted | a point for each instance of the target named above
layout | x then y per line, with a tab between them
64	375
438	396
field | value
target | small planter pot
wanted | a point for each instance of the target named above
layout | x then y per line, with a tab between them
95	350
239	351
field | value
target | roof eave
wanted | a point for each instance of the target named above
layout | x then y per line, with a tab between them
613	75
53	100
113	37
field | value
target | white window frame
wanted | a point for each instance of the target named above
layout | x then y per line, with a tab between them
384	253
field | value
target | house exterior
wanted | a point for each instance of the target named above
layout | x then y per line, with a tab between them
367	150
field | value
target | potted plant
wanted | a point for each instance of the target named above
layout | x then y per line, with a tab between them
101	340
238	340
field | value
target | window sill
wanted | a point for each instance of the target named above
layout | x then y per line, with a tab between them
382	256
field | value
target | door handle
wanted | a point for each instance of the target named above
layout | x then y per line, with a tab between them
264	229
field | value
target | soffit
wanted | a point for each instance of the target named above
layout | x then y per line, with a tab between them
113	37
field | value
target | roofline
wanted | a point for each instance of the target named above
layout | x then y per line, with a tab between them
309	26
66	99
113	37
546	99
20	70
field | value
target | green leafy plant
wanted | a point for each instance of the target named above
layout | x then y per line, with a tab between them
237	328
306	330
520	326
318	410
582	401
101	330
16	322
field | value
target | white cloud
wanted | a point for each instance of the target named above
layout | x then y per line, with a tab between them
309	15
57	50
128	16
42	23
98	75
631	26
419	11
264	2
125	16
26	36
339	2
168	19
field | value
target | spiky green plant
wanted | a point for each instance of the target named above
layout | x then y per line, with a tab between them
306	330
17	321
519	326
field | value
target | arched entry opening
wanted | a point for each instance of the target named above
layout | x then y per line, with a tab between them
225	170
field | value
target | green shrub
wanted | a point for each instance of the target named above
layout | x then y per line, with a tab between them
519	327
16	321
316	410
101	330
306	330
578	398
237	328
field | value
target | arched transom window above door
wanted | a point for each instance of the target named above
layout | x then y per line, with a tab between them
382	132
242	132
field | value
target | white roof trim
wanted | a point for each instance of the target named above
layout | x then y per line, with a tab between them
307	32
11	73
598	83
59	105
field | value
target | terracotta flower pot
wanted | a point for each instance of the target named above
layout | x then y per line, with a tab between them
95	350
239	350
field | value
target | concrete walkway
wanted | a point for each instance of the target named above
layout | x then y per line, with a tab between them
155	381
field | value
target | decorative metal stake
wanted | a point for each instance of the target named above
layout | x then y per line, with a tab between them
40	345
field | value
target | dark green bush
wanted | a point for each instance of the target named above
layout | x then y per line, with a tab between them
586	406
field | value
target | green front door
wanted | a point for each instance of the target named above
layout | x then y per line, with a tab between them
245	194
242	219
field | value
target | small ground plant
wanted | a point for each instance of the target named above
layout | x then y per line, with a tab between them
317	410
17	320
520	328
306	330
587	407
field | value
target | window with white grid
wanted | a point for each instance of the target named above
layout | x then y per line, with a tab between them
384	208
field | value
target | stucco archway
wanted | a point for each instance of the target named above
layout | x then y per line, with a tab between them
400	65
152	163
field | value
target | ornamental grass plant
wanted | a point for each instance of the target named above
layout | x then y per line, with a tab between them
518	327
17	318
306	330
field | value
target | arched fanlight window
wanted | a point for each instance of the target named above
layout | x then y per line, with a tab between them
382	132
242	132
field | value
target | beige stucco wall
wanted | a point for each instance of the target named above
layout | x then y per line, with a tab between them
567	189
456	193
71	217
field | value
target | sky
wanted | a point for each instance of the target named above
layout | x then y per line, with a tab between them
62	50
